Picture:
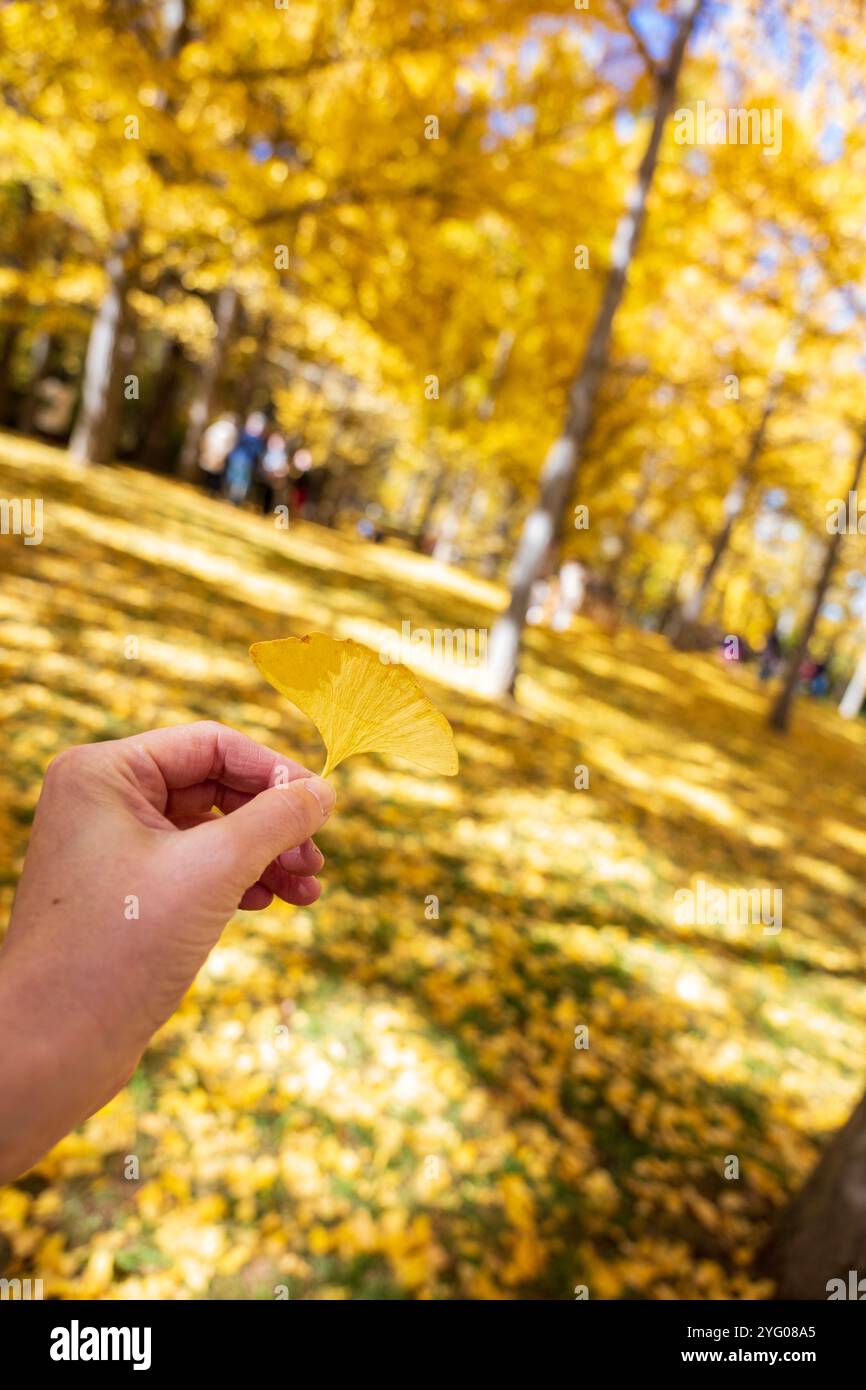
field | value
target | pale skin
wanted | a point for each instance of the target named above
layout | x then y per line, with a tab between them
127	827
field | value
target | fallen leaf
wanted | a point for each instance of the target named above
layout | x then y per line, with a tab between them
358	703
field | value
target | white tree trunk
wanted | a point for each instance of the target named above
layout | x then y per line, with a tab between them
533	554
544	523
781	712
445	548
94	438
852	701
209	374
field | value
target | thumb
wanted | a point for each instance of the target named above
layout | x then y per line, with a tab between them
274	820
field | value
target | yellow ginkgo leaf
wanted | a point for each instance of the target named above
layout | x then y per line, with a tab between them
357	703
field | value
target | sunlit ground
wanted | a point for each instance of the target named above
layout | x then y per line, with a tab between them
361	1100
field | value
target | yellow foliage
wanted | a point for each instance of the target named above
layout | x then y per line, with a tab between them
359	1100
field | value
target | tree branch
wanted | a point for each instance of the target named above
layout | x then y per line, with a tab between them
651	65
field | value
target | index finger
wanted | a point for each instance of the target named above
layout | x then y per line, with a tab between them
210	752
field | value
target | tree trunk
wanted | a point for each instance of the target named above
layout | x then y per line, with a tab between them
7	354
40	356
670	608
333	494
690	612
430	505
255	378
155	432
781	711
94	438
445	547
499	366
410	502
737	494
95	435
534	555
633	522
634	601
821	1234
489	563
544	523
208	379
852	701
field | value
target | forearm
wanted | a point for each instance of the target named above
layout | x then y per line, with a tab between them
54	1067
82	987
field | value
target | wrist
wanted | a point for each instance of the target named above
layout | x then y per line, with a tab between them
55	1067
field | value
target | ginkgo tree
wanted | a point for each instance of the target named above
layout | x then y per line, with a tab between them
557	480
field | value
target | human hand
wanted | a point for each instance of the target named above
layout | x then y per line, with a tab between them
130	877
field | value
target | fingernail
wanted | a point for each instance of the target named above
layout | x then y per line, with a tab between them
323	792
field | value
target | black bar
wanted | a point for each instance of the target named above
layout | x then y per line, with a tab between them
286	1336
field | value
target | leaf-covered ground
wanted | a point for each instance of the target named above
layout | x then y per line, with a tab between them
363	1101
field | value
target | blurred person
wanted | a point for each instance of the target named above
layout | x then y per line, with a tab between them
244	458
302	462
54	404
273	470
101	948
544	592
217	443
600	604
542	599
572	585
367	525
819	683
771	656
